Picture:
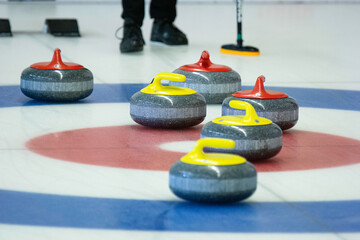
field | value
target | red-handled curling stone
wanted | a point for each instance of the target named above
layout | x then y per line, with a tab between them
214	81
274	105
57	81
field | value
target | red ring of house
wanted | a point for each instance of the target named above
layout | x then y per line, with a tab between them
137	147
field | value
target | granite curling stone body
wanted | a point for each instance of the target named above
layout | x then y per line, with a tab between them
215	82
276	106
161	106
212	177
57	81
256	138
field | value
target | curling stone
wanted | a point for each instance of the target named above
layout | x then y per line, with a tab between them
56	81
161	106
256	138
212	177
215	82
276	106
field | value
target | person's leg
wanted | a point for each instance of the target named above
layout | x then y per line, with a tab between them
133	15
163	29
163	9
133	9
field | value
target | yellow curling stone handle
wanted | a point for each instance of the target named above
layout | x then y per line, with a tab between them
157	88
249	119
198	157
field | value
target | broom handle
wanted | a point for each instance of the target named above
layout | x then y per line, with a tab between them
239	19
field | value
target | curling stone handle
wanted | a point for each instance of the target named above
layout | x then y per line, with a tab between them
156	84
56	63
155	87
56	60
250	115
166	76
211	142
198	157
205	59
259	89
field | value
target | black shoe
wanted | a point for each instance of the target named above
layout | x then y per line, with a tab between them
164	31
133	40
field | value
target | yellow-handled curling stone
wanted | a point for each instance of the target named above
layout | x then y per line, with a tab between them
274	105
212	177
214	81
161	106
255	137
57	81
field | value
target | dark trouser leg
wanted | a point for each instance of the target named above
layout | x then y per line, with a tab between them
163	30
133	14
134	9
163	9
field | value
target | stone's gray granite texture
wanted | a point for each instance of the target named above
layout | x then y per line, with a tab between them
57	85
251	142
214	86
283	111
167	111
212	184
